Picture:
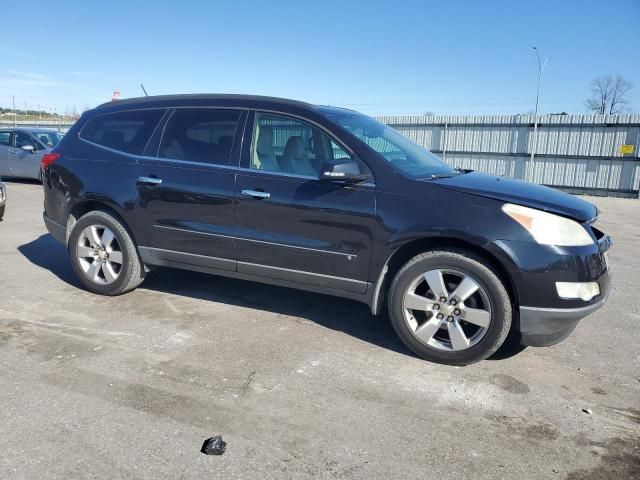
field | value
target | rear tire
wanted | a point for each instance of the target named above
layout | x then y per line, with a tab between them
449	307
103	255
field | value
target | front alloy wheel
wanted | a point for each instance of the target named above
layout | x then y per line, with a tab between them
447	310
450	306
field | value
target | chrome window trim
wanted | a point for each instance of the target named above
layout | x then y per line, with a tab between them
302	177
191	162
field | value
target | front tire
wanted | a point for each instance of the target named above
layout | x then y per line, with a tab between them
449	307
103	255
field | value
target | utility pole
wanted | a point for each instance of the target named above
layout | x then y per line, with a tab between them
15	123
541	66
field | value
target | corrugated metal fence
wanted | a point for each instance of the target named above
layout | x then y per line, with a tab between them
58	125
577	153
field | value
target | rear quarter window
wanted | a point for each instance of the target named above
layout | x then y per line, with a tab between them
127	131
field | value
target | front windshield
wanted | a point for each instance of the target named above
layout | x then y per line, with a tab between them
48	139
408	157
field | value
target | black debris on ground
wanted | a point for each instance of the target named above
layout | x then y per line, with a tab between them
214	446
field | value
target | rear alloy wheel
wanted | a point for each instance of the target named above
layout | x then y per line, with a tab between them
99	254
449	307
103	254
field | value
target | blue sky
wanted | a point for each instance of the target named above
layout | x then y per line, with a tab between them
375	56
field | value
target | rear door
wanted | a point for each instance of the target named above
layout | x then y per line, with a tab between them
293	226
185	189
5	138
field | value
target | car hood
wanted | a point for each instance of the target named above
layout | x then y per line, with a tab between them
521	193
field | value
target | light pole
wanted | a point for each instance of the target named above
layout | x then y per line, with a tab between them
541	66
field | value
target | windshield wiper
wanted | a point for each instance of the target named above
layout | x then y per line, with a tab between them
434	176
457	171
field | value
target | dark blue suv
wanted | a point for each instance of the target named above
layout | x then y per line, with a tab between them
328	200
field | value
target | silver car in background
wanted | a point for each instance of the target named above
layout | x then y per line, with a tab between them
21	150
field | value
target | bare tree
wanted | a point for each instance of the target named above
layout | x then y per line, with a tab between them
620	95
609	95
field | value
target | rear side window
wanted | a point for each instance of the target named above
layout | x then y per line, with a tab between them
125	131
200	135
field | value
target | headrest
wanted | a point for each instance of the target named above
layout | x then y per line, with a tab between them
294	147
265	140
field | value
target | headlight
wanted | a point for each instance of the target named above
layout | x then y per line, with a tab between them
549	229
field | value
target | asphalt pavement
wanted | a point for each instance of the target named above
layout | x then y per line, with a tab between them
299	385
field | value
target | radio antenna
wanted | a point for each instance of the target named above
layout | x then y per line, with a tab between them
145	92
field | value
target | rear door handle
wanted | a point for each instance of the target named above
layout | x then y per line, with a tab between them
150	180
255	194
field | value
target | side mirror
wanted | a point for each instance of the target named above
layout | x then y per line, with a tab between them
28	148
342	170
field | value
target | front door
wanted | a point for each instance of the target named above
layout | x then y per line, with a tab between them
21	162
293	226
185	193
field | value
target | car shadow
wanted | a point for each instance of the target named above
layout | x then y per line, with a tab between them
46	252
350	317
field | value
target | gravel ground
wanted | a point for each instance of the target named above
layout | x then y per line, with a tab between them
299	385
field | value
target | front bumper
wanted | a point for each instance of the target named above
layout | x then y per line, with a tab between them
546	318
542	327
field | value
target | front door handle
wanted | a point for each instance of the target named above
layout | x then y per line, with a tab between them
150	180
255	194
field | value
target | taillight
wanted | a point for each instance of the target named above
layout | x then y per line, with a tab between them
48	159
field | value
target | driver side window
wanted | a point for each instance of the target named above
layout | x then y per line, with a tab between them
291	146
22	139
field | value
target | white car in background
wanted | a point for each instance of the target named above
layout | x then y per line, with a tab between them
21	150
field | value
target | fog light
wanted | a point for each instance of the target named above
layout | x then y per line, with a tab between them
582	290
